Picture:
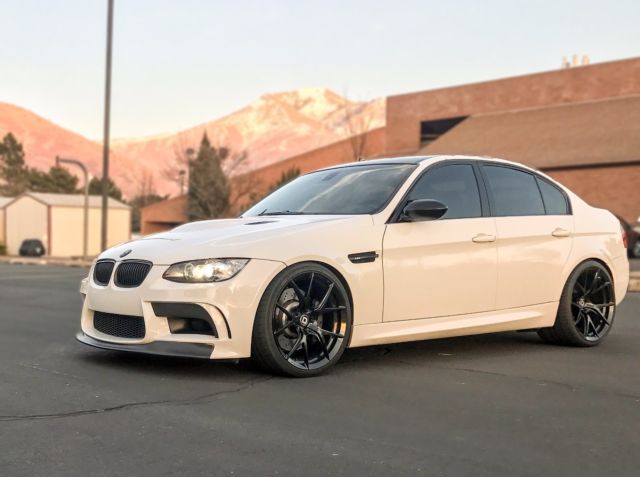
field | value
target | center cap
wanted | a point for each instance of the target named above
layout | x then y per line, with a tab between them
581	302
304	320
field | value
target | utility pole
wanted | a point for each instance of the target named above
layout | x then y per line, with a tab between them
85	242
107	119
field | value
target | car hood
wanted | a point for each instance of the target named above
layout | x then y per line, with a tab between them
267	237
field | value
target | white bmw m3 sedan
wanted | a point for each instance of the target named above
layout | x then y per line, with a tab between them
381	251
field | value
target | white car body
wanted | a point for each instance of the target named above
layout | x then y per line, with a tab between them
430	279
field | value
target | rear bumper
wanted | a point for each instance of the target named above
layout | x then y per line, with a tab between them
163	348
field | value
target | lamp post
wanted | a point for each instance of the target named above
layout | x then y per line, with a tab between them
107	119
85	242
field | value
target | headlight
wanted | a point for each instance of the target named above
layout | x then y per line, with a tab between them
205	271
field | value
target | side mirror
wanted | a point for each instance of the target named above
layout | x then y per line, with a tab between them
422	210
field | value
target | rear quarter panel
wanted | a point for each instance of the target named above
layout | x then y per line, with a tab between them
597	235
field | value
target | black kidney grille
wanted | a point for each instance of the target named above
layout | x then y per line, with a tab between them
122	326
131	274
102	272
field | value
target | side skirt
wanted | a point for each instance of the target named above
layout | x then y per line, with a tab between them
529	317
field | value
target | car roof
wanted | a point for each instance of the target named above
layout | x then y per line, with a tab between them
417	160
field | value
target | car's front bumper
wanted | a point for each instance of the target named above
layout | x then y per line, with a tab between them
231	305
163	348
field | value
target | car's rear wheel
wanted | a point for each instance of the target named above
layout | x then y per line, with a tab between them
586	309
303	322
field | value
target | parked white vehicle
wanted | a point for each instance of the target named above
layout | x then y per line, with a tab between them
374	252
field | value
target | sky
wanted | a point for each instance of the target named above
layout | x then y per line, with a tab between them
178	63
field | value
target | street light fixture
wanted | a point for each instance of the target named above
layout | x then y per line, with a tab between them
60	160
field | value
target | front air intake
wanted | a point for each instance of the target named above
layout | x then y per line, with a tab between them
120	326
131	273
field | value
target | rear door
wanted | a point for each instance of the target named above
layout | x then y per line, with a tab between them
534	228
446	266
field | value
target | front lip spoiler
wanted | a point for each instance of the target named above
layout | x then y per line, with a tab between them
160	348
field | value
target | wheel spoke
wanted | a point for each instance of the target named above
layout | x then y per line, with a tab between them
593	282
603	305
601	316
325	298
295	346
298	291
279	331
579	317
305	348
585	328
582	289
284	310
593	327
330	333
601	287
310	284
333	308
325	350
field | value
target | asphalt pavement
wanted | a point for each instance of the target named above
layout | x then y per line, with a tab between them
493	405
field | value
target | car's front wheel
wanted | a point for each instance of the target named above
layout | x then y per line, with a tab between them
303	322
586	309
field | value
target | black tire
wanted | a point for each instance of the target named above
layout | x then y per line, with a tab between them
303	323
586	309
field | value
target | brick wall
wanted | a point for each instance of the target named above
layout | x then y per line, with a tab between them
603	80
616	188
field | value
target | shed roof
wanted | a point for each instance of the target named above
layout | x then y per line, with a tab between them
4	201
578	134
71	200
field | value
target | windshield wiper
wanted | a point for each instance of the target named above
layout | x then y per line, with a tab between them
280	212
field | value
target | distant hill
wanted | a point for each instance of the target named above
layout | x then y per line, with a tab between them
273	128
43	140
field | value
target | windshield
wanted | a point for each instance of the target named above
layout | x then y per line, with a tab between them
345	190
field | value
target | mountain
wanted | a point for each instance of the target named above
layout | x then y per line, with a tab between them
275	127
44	140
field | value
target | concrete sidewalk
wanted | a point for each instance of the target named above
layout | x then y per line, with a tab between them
57	261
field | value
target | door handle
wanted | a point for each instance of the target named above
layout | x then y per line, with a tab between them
560	232
484	238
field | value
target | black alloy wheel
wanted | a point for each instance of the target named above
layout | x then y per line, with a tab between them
592	303
303	322
587	308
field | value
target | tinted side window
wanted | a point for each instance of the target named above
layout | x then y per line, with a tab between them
555	202
455	186
514	192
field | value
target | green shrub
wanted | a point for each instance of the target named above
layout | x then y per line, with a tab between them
3	249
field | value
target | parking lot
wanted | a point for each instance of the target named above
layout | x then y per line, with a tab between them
502	404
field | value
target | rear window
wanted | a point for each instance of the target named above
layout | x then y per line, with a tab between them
514	192
555	202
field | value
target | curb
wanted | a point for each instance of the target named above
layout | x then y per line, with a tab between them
46	261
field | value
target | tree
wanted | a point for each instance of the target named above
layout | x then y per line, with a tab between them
208	195
95	188
358	121
286	177
58	180
14	175
146	195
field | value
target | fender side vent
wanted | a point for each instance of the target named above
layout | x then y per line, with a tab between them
363	257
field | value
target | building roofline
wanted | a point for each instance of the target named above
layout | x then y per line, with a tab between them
514	77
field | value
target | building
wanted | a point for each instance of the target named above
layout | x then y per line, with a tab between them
58	221
3	202
580	125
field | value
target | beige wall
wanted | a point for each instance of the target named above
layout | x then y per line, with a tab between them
26	218
3	239
67	228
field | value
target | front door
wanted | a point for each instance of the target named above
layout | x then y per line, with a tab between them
446	266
